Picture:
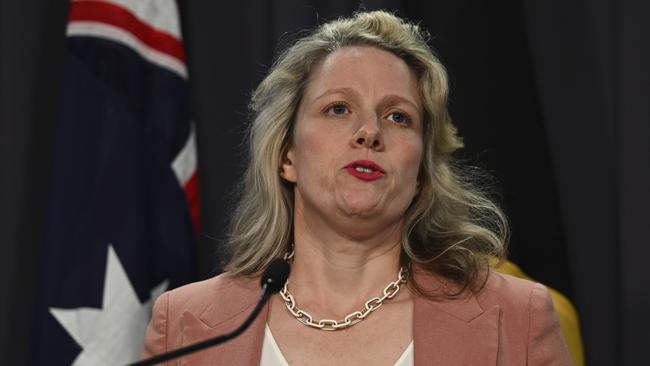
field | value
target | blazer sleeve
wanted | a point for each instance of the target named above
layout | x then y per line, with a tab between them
546	344
155	339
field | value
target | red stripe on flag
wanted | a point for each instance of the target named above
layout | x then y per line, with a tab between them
192	197
120	17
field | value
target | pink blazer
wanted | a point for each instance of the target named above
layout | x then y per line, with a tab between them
510	322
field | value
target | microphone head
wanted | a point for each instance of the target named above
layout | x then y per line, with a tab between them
275	276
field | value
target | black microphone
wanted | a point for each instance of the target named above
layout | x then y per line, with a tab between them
275	276
272	281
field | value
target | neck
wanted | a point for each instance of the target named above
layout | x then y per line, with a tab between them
333	275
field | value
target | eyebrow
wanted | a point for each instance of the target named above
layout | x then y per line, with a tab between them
388	99
395	99
338	91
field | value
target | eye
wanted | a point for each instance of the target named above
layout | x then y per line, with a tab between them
337	109
399	117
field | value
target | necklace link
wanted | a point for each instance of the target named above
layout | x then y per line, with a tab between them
351	319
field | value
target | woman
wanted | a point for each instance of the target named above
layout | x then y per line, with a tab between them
351	179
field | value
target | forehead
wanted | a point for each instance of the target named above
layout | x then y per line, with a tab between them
365	69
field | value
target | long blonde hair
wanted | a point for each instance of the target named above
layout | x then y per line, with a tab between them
451	227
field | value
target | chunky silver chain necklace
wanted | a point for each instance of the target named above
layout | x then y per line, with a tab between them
351	319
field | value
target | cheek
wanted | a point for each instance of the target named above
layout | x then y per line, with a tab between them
317	146
314	147
413	159
312	158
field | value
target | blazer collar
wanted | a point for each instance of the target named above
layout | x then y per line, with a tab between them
445	332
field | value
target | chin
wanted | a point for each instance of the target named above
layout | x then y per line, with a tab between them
361	214
370	214
362	211
366	225
358	204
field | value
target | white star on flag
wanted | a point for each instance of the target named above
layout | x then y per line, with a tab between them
114	334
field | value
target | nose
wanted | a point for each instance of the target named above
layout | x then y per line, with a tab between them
369	135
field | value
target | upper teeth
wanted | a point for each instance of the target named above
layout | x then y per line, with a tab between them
361	169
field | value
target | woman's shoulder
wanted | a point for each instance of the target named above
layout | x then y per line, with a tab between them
511	292
491	288
518	310
209	302
526	308
223	291
514	297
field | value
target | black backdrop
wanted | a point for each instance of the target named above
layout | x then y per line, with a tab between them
551	97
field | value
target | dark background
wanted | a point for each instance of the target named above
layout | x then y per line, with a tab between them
552	98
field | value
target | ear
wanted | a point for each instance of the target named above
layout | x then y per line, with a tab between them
287	168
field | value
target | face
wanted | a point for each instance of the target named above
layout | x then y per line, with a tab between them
357	140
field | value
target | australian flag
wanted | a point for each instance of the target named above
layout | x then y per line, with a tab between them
120	228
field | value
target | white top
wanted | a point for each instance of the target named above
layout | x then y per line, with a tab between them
272	356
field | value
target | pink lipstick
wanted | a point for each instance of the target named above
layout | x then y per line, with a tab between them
365	170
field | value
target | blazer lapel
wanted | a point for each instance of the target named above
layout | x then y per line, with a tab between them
454	332
223	315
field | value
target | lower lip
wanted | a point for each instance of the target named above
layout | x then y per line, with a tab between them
374	175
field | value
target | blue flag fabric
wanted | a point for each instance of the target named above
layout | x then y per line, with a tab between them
119	230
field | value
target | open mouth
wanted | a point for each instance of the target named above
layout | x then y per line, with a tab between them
362	169
365	170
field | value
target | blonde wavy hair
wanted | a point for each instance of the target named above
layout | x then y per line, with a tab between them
452	228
